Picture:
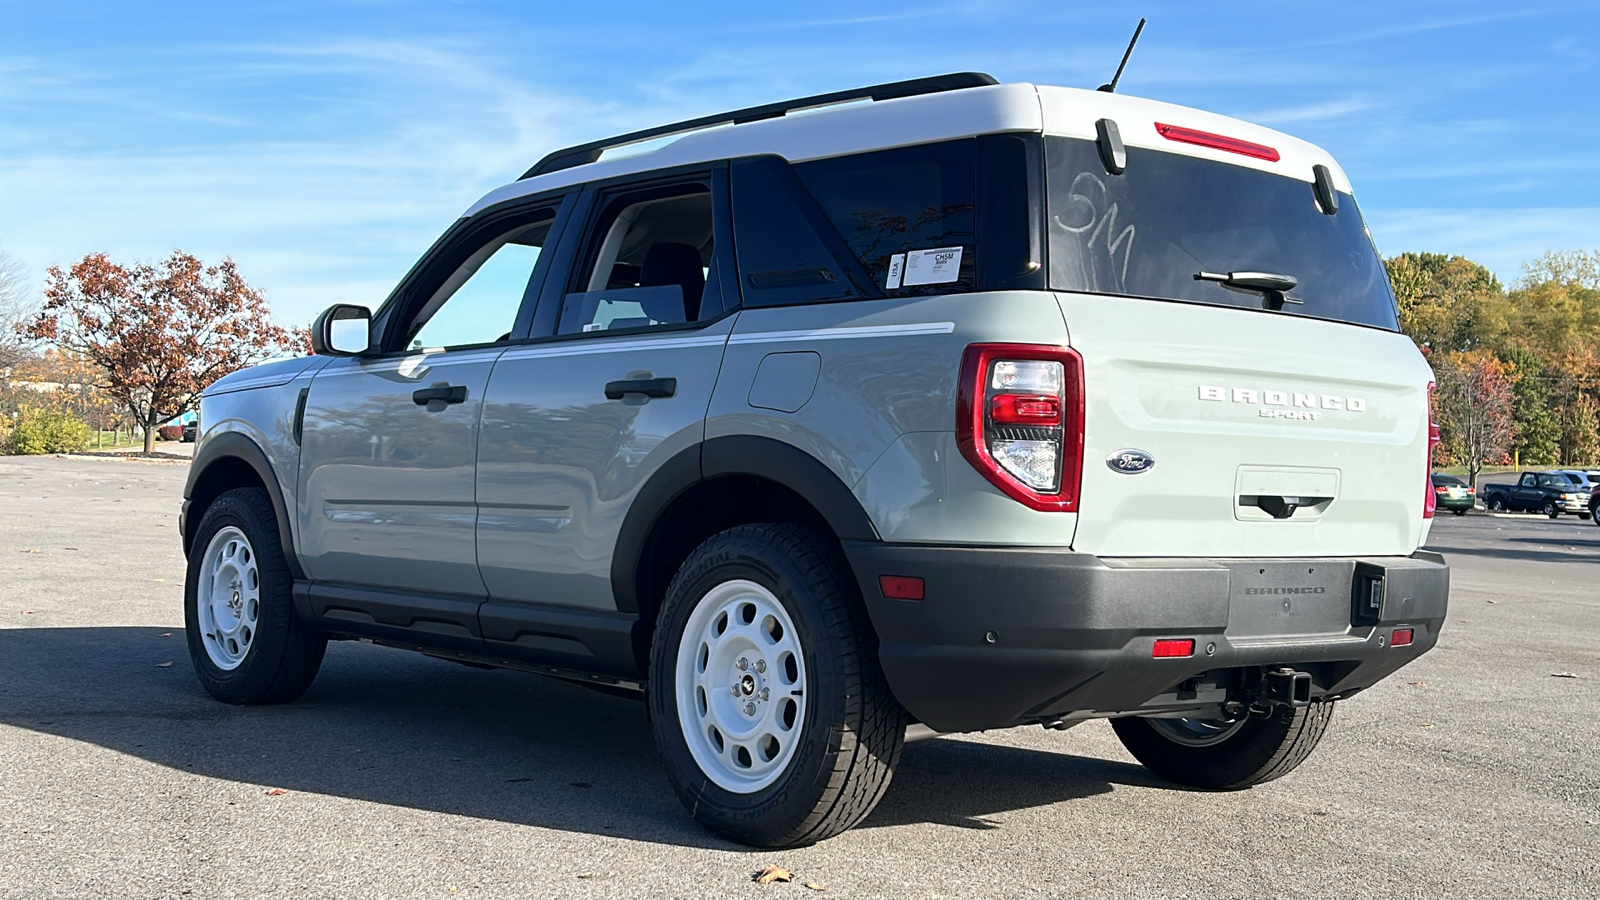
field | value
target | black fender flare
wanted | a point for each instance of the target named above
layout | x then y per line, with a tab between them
233	445
762	457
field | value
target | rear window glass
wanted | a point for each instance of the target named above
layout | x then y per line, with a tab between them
1148	231
907	213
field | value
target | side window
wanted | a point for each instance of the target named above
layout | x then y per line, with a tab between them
908	213
646	263
478	302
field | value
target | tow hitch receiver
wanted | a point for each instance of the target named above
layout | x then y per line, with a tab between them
1286	687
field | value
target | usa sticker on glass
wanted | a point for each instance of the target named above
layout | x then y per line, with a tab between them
941	266
897	267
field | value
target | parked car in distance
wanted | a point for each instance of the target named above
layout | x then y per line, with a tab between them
190	429
1551	493
1453	494
1587	482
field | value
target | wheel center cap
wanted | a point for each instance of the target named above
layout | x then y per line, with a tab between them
747	684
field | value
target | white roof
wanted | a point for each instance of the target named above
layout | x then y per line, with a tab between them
925	118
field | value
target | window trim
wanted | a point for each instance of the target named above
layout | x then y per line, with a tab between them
590	208
464	238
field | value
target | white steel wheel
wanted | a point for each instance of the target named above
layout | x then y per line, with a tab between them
741	686
229	598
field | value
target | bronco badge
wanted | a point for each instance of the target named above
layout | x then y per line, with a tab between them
1130	462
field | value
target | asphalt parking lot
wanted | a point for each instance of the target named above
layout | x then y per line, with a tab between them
1474	772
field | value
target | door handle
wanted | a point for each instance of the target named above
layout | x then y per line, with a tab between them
444	393
650	387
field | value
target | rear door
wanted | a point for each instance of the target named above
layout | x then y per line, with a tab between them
1278	428
1239	410
574	424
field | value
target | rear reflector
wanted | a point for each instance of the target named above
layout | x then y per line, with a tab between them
1401	637
900	587
1169	648
1216	142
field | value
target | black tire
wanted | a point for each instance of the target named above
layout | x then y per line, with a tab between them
1550	509
1261	750
1496	504
285	653
851	730
1584	516
1459	512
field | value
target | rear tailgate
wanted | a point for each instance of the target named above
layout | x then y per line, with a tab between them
1236	405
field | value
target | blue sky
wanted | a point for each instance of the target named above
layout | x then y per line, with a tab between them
325	145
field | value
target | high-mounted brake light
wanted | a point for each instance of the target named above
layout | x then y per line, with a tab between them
1216	141
1019	421
1430	502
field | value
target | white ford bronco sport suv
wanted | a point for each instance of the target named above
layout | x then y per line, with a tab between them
942	406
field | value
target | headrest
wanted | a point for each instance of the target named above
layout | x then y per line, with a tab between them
668	263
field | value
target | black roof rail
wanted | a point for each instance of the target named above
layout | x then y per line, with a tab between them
583	154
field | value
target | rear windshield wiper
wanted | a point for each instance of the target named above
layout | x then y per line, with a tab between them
1274	289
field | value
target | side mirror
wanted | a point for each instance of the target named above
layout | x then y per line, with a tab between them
342	330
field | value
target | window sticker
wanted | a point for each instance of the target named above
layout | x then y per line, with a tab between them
941	266
897	266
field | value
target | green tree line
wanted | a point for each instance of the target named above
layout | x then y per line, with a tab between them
1518	367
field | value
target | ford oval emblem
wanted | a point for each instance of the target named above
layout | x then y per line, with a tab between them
1131	462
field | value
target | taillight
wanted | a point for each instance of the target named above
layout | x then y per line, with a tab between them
1429	501
1019	421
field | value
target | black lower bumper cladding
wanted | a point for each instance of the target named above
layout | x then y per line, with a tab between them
1010	636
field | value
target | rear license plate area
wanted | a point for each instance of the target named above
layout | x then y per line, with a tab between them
1285	599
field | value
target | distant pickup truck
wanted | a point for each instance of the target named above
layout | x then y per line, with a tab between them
1551	493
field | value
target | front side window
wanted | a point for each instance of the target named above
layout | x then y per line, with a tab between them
1149	230
478	303
648	262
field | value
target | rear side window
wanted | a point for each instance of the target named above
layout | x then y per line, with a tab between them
648	264
907	214
1148	231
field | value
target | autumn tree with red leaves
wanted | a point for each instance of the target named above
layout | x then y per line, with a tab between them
1474	406
158	334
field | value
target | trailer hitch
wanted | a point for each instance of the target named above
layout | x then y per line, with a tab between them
1286	687
1260	693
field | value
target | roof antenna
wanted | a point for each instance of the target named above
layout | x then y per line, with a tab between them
1112	87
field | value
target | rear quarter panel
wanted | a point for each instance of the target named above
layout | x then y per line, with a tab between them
881	416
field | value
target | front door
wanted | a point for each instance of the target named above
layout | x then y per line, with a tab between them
575	424
387	493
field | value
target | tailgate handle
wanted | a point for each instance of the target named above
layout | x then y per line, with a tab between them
1280	506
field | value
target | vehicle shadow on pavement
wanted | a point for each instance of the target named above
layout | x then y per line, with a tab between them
1581	551
950	781
402	729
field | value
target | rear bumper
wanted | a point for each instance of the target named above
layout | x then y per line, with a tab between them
1455	503
1010	636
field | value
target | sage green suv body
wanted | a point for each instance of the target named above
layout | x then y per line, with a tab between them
974	406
